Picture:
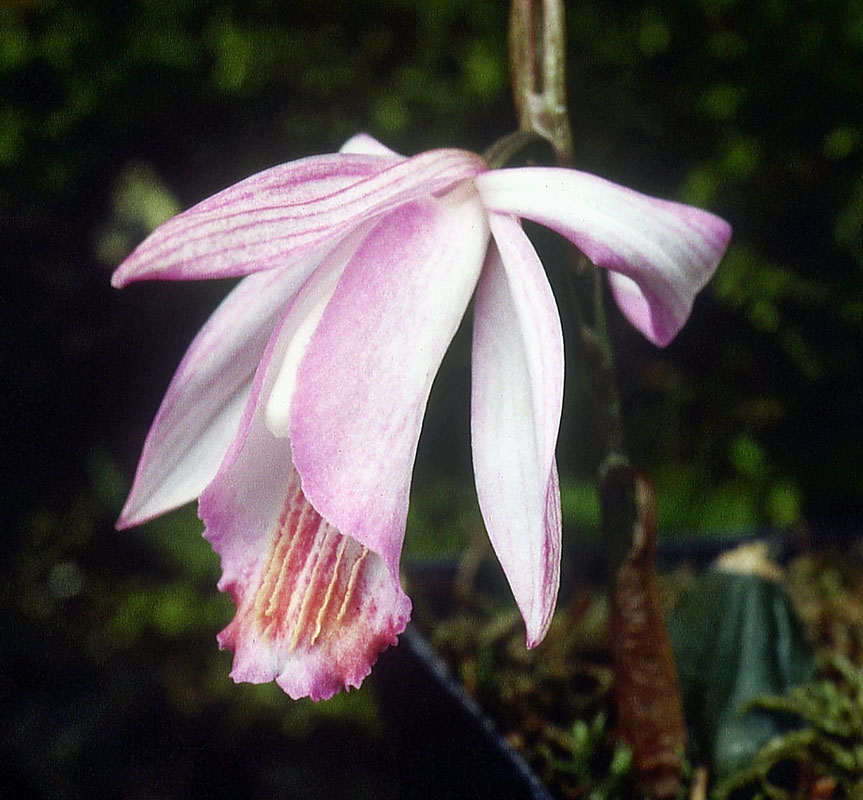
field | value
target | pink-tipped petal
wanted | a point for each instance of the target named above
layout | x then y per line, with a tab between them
667	250
277	217
314	607
516	401
200	412
364	380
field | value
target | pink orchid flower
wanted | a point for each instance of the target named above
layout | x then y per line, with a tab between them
295	414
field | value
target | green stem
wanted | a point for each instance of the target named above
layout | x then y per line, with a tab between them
537	47
537	40
505	150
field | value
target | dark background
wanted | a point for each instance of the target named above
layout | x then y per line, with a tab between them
113	116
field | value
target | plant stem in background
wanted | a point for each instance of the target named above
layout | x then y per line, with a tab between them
537	45
649	708
537	53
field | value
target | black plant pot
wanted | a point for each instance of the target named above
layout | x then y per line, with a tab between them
445	743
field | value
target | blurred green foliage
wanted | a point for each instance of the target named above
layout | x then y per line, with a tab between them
828	748
113	116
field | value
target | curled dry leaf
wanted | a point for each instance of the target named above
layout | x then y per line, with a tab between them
647	695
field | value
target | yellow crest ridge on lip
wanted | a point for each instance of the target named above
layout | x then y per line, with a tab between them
309	576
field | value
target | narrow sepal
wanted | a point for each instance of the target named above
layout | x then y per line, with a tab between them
516	401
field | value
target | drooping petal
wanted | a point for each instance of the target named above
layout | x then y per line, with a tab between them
200	412
667	250
275	218
516	401
364	380
314	607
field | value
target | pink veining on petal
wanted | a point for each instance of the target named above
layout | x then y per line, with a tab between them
170	251
278	216
319	610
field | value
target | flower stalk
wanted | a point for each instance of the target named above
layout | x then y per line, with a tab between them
537	40
537	47
647	695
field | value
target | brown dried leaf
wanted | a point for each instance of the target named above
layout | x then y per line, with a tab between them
647	695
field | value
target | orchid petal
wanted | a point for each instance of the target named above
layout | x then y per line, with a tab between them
667	250
275	218
364	144
364	380
516	401
200	412
314	607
